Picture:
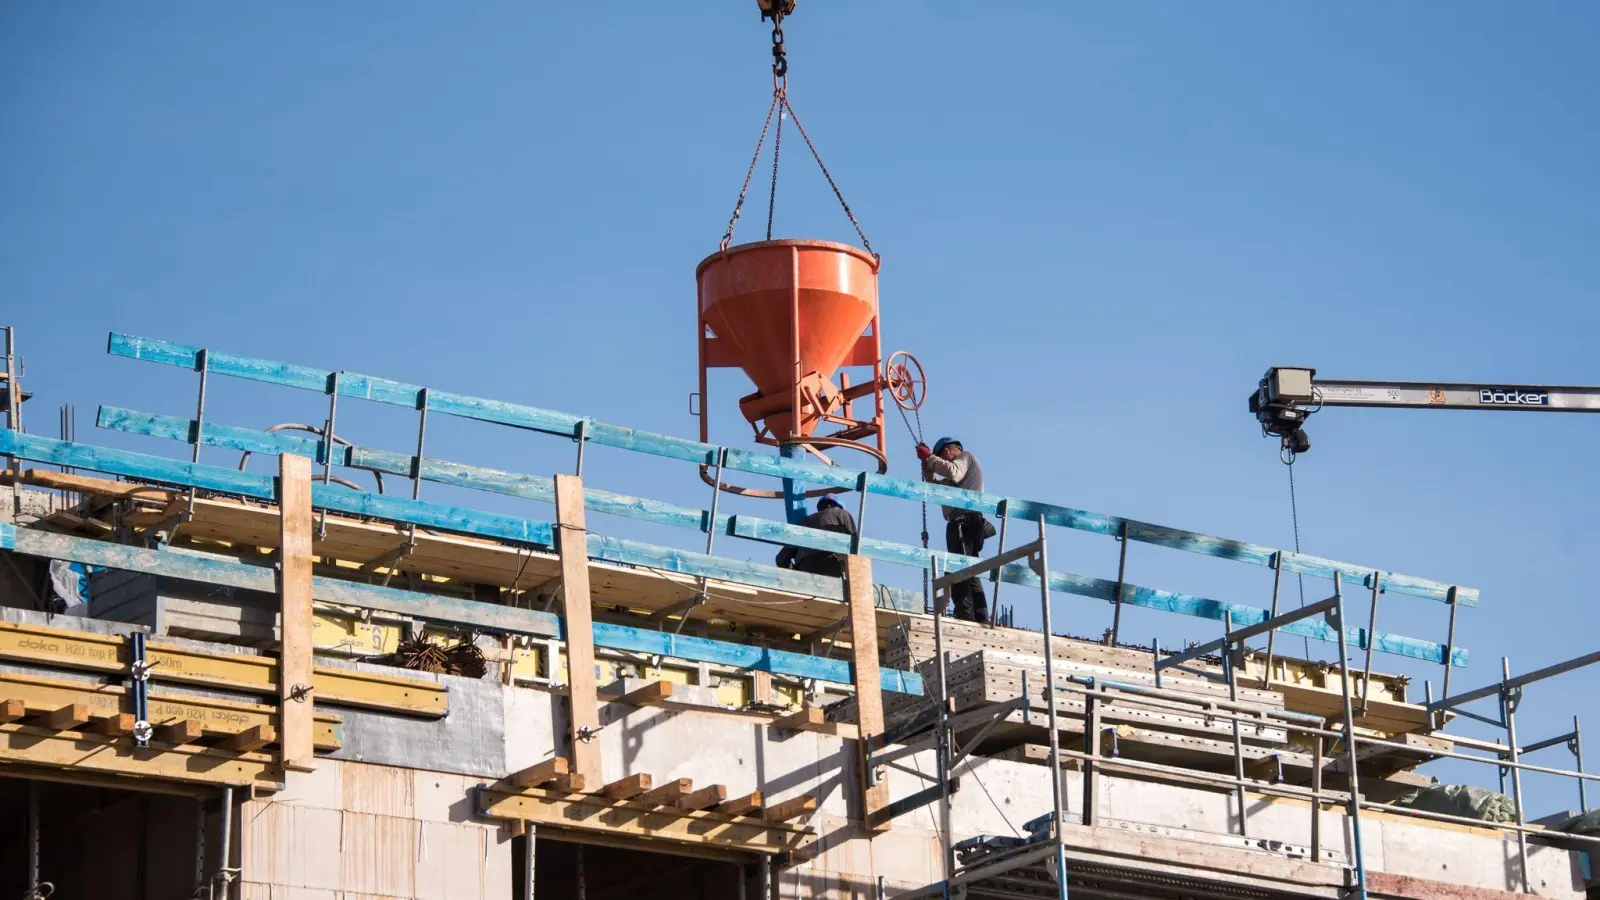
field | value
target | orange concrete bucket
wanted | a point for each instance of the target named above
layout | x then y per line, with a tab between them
786	310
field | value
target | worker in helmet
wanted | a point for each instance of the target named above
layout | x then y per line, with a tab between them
947	462
830	516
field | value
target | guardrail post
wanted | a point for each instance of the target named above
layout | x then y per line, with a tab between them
294	610
868	684
572	543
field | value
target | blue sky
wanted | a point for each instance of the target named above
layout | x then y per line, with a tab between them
1100	223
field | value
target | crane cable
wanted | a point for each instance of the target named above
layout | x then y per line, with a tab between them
1294	514
776	10
916	434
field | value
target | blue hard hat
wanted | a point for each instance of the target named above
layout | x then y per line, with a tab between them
943	442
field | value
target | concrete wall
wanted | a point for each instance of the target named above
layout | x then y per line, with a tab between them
494	730
352	831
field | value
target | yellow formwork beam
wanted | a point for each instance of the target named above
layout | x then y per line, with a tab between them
29	746
64	648
217	718
603	818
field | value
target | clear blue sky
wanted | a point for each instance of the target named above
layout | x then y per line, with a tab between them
1100	223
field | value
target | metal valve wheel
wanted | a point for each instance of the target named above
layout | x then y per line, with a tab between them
904	380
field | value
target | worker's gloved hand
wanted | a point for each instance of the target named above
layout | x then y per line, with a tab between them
923	452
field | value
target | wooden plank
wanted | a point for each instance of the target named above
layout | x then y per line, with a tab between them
12	710
541	773
760	689
191	566
253	738
486	616
66	718
635	553
85	484
69	649
626	788
652	693
397	393
115	725
74	753
666	794
295	684
748	805
592	818
704	798
793	808
745	656
183	731
809	718
37	694
869	695
260	487
578	622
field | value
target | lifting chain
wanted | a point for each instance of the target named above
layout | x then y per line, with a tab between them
776	10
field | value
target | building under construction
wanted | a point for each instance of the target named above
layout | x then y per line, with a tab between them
272	680
310	668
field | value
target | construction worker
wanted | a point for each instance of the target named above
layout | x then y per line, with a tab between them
947	462
830	516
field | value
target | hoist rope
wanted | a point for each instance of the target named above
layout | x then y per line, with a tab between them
1294	514
916	433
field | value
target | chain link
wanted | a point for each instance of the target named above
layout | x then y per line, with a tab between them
727	236
826	174
777	149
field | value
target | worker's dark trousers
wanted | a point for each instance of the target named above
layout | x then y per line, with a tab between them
830	564
964	534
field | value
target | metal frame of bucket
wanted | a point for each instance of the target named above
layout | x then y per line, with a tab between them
820	400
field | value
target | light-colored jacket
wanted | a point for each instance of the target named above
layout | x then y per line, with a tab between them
962	472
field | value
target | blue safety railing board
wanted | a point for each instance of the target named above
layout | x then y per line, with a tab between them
244	576
421	512
382	390
231	481
542	488
745	656
445	610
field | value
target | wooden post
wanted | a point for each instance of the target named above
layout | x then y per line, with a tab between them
295	702
572	542
868	683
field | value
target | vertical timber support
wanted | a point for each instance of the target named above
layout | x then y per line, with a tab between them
868	685
794	493
572	543
294	610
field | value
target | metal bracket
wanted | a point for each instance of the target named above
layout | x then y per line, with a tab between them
392	555
139	675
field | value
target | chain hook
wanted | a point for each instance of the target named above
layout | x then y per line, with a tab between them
780	57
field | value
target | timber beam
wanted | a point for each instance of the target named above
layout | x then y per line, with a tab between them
541	773
109	654
32	695
592	817
83	752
